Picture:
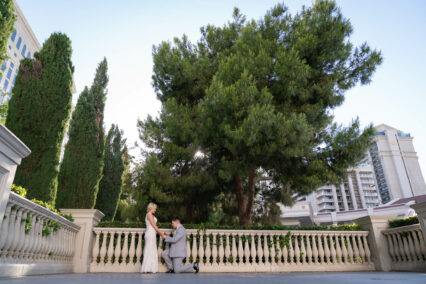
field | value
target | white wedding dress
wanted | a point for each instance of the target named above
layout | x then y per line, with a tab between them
150	254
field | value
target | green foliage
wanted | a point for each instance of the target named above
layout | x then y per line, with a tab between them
202	227
7	21
19	190
81	168
256	98
114	166
49	227
403	222
38	113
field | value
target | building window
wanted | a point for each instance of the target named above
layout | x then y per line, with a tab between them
29	54
9	72
380	133
404	134
14	78
13	36
6	83
18	44
24	49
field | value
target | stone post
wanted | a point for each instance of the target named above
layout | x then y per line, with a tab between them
87	219
12	151
378	244
420	209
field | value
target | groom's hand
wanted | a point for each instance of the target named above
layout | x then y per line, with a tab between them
163	236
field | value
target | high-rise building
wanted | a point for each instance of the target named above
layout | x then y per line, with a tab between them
21	44
356	191
396	164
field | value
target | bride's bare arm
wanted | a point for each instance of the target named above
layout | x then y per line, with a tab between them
151	220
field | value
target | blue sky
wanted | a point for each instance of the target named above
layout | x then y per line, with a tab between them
125	31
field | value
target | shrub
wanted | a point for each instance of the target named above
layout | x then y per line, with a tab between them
403	222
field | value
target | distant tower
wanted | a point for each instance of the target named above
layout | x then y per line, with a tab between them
396	164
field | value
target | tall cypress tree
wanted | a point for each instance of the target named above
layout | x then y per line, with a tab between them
38	113
7	20
81	168
110	185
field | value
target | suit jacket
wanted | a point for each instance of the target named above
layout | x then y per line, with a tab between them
177	243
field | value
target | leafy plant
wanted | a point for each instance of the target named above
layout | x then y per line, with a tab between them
403	222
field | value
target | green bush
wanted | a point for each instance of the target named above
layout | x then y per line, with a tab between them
119	224
403	222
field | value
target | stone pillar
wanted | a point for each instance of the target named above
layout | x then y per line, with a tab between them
12	151
87	219
420	209
378	243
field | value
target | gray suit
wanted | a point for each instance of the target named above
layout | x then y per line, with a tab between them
177	252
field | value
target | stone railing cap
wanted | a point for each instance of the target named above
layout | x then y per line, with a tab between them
419	207
84	213
13	142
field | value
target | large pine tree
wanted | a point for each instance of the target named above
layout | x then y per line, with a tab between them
257	99
114	165
38	113
81	168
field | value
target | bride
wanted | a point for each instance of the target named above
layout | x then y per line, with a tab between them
150	253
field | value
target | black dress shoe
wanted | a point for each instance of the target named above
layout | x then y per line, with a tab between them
196	267
170	271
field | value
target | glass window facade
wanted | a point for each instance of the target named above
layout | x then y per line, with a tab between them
24	49
18	44
13	36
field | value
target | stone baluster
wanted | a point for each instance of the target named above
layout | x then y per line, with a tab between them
315	252
29	239
214	249
110	251
406	248
240	249
416	245
221	250
17	252
253	249
188	249
320	249
194	248
302	248
201	247
361	249
95	250
208	250
422	242
272	253
125	249
344	250
411	247
227	247
285	253
259	249
32	239
17	234
338	248
291	250
350	251
326	249
366	249
265	248
38	241
103	248
234	250
247	250
132	251
278	249
401	247
391	246
396	247
4	232
333	253
296	249
138	248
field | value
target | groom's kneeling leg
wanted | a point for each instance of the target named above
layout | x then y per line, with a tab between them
167	259
179	267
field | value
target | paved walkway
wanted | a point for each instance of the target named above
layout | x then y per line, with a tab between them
284	278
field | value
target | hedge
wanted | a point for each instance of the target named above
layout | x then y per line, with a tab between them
119	224
403	222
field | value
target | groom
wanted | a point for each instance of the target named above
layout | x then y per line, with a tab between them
177	251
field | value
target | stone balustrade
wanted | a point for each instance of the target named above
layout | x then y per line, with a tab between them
407	248
34	240
121	250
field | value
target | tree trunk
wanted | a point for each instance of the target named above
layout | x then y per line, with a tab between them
245	198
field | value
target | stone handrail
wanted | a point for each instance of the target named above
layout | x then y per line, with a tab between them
407	247
22	240
240	250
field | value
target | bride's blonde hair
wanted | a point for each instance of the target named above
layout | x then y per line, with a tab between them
151	205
